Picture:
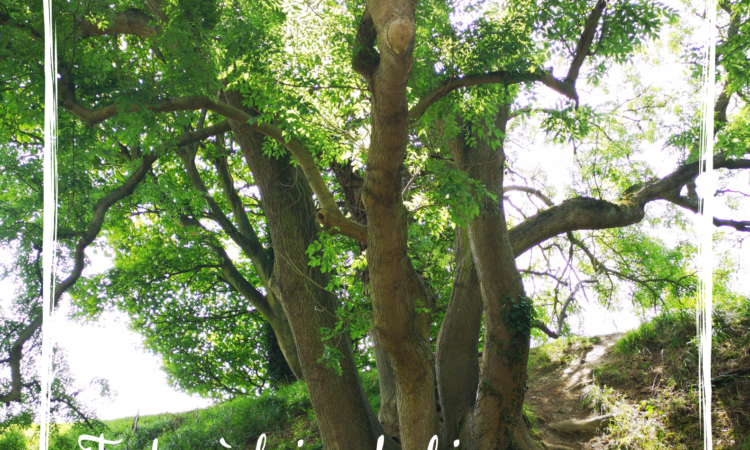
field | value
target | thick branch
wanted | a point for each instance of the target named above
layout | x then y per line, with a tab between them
539	325
584	43
132	21
737	225
584	213
502	77
100	212
574	214
330	215
365	58
565	87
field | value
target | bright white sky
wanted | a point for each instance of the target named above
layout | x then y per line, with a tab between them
111	351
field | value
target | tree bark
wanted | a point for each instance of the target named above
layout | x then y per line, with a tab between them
394	300
497	421
290	214
456	358
388	415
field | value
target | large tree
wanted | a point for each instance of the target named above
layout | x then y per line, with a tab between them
337	171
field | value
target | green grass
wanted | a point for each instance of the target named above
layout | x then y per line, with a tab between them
670	330
285	416
561	352
531	420
648	384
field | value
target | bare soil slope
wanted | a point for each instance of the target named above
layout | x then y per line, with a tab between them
637	391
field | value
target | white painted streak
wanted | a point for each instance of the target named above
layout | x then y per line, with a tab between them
50	217
707	182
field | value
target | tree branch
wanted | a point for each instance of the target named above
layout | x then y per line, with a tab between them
565	87
247	240
239	282
530	190
365	58
584	43
574	214
133	21
539	325
100	212
502	77
254	248
584	213
329	216
563	311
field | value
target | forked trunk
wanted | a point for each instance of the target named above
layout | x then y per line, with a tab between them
344	414
497	422
456	358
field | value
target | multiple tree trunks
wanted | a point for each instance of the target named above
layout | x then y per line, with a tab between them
456	357
480	406
497	421
290	214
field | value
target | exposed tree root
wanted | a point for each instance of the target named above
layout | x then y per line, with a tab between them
549	446
523	441
582	426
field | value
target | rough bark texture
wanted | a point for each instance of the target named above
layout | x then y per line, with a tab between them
456	358
351	184
388	415
393	300
497	420
290	212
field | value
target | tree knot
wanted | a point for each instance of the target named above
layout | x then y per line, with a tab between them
400	34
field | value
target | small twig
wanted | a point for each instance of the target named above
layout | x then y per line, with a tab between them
305	275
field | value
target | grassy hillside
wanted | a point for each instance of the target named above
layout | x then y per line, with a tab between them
285	416
643	382
649	384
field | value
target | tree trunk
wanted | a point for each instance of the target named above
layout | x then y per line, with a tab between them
395	291
497	422
388	415
290	213
284	336
456	358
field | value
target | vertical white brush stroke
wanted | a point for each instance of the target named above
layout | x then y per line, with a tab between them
707	184
50	217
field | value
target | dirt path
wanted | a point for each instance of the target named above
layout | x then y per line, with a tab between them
556	396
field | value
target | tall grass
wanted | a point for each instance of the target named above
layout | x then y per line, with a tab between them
285	416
